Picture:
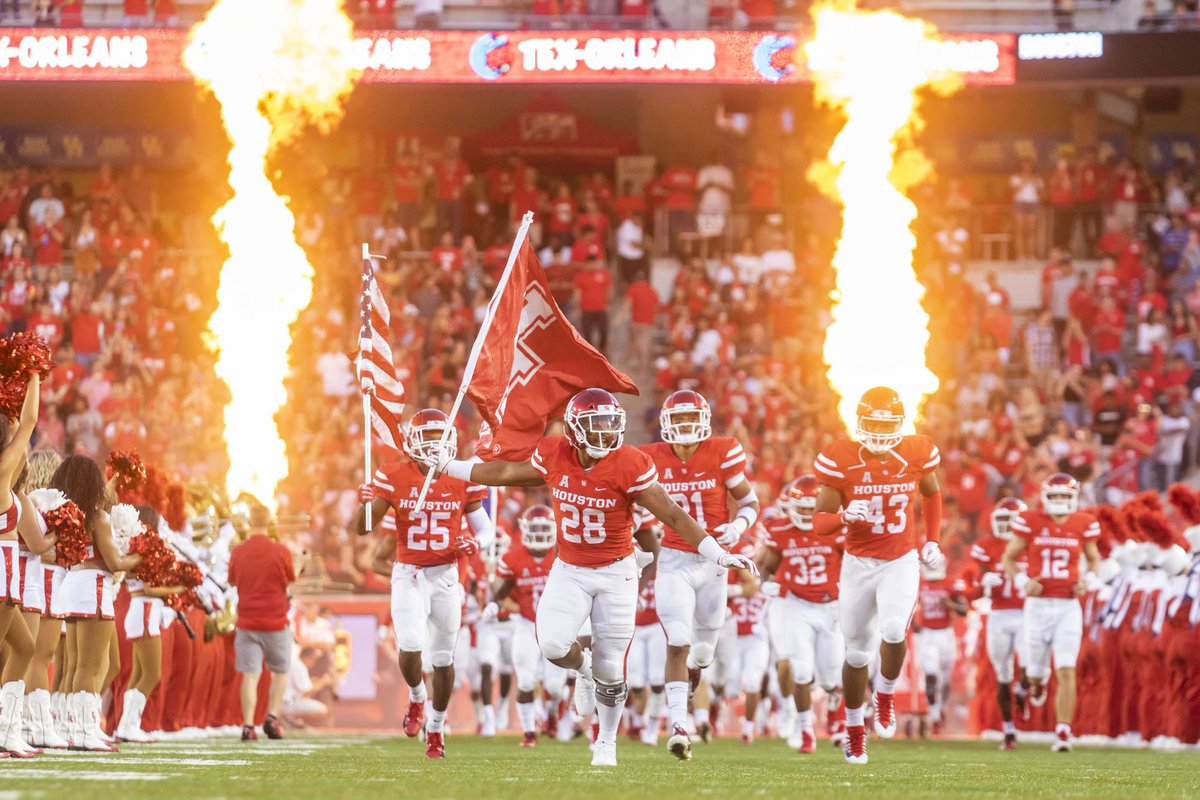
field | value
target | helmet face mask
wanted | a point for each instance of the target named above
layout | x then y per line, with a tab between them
1002	516
1060	495
798	501
685	418
595	423
496	550
423	436
880	420
537	529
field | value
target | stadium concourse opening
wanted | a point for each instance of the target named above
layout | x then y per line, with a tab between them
1059	246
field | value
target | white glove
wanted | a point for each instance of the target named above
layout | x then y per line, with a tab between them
729	532
489	613
642	559
857	511
440	459
737	561
769	589
992	580
932	558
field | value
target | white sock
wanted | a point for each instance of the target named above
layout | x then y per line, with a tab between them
701	715
526	713
1010	726
437	721
747	727
1063	727
788	712
610	721
677	692
885	685
935	710
806	720
585	669
489	714
854	716
418	694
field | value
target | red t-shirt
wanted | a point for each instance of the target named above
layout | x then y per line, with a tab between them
1107	341
406	183
452	174
85	332
643	302
48	248
593	286
261	569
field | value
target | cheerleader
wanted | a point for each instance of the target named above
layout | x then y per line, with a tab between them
39	576
144	624
87	603
15	513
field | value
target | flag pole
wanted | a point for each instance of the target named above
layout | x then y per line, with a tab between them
469	369
365	335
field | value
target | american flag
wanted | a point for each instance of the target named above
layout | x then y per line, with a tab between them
376	372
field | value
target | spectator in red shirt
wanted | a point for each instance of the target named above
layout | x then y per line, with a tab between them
48	236
1108	330
593	288
45	324
641	304
369	190
1143	437
587	247
452	175
87	335
137	13
446	257
261	569
406	191
562	213
500	180
528	196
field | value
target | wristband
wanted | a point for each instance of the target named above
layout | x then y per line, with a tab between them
748	515
460	469
1020	580
711	550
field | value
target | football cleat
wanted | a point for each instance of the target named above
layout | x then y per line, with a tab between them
604	754
649	738
585	696
855	750
680	744
272	728
529	739
747	738
248	734
837	734
414	720
808	742
1037	695
705	731
1062	742
434	747
885	715
1010	742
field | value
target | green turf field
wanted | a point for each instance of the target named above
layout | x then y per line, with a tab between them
479	769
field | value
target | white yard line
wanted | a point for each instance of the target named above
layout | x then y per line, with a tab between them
57	775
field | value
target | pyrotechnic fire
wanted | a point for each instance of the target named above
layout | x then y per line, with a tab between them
870	66
276	67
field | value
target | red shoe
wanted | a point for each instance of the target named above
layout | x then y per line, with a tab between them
937	727
885	715
272	728
248	734
808	742
434	748
855	751
693	680
414	720
550	725
595	733
634	732
1010	742
529	739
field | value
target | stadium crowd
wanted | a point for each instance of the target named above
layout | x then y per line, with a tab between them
1096	381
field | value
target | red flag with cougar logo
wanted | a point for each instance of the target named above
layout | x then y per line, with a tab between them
532	362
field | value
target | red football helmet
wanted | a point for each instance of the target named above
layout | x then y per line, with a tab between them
595	422
799	501
1002	516
685	418
496	550
537	528
880	419
1060	495
423	432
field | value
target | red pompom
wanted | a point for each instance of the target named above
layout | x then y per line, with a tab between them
158	560
21	355
130	473
70	528
175	513
1186	502
1155	528
154	490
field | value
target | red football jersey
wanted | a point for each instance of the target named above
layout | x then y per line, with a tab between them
931	597
747	611
701	484
593	507
1055	550
890	484
809	566
426	538
528	574
988	554
647	613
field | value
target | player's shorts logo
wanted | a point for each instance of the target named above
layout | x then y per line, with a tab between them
773	57
490	56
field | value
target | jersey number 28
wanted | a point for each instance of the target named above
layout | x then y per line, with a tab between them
581	527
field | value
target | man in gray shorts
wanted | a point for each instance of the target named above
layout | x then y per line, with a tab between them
261	569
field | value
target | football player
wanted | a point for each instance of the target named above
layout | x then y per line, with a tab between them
801	571
940	598
870	486
523	572
647	663
700	472
495	635
595	481
1056	539
753	649
1005	622
427	597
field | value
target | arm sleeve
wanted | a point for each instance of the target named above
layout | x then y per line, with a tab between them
932	506
481	525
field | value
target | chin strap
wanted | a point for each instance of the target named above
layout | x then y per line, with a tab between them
932	508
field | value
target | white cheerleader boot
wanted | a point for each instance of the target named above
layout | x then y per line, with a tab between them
92	737
44	734
135	704
12	700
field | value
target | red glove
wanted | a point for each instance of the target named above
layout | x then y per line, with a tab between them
366	492
466	545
